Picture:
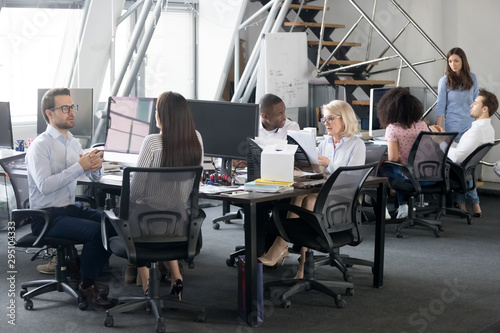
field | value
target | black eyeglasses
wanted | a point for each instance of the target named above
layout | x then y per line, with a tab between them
66	108
329	119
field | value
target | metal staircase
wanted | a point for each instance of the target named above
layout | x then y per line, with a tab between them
338	69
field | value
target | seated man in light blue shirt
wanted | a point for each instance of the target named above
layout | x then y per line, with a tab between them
55	160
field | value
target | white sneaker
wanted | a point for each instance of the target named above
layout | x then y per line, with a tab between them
402	212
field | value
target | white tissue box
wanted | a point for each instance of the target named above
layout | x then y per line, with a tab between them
277	162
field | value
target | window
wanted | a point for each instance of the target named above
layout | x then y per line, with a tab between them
33	42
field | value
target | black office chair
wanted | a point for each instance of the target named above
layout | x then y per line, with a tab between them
426	162
67	275
462	177
159	221
374	154
334	223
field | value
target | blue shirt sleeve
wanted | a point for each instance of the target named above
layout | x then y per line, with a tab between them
442	97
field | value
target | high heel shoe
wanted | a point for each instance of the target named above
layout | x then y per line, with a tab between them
271	262
177	287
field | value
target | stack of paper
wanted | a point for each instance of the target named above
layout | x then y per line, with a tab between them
260	185
259	181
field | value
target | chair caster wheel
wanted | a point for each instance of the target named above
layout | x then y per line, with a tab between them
437	233
216	226
28	304
348	278
82	304
349	292
285	303
340	303
200	317
230	262
160	328
441	228
399	235
469	220
108	321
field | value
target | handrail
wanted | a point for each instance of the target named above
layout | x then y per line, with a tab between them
418	29
393	41
356	65
297	15
394	48
336	48
370	33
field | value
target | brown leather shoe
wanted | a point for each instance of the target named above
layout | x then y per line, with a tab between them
95	297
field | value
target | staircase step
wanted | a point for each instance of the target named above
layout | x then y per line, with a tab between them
363	82
314	25
308	7
361	102
331	43
345	62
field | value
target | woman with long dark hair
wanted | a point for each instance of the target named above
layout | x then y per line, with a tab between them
177	145
457	90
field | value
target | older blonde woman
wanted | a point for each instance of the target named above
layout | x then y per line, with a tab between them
341	148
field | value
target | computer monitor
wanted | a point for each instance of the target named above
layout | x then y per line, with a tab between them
130	120
374	129
6	140
225	127
84	118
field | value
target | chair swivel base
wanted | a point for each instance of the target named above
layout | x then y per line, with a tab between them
227	219
434	225
458	212
60	284
155	302
239	251
309	283
46	286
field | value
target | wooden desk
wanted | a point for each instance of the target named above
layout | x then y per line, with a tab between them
253	203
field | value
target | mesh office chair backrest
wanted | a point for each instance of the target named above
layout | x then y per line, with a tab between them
15	169
375	153
470	163
428	154
159	202
339	196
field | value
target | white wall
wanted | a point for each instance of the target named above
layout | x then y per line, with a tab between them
471	25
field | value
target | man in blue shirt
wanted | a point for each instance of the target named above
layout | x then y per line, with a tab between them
54	161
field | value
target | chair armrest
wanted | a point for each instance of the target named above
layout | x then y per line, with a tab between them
307	216
86	199
122	228
107	215
406	170
20	215
194	234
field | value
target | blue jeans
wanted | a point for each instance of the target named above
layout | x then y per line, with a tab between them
82	225
470	196
398	176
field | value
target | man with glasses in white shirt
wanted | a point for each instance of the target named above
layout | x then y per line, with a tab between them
54	161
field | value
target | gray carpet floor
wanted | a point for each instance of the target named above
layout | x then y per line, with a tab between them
447	284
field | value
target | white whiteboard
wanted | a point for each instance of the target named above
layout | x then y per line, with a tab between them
283	68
